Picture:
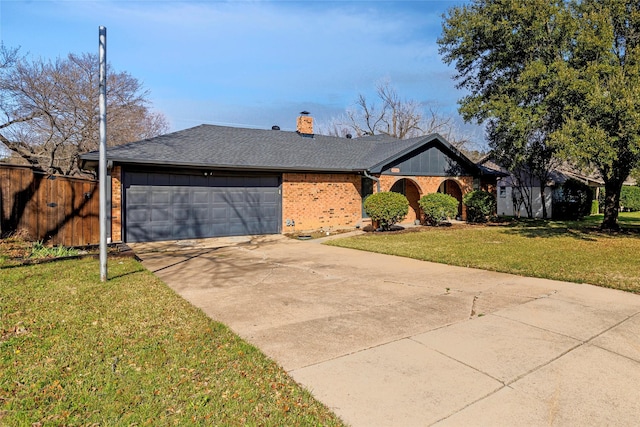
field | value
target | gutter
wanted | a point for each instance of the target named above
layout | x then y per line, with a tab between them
377	180
88	162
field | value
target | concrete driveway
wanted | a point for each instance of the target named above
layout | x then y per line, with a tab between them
390	341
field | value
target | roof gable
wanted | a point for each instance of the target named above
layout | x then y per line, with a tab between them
429	160
431	155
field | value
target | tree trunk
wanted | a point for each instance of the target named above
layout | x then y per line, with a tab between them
612	190
543	200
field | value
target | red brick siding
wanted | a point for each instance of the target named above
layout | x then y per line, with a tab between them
117	209
317	201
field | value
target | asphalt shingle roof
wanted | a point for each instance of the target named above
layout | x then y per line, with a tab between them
241	148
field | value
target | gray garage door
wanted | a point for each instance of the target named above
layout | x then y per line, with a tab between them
161	206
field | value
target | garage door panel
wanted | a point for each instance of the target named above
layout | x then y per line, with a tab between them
182	214
268	212
238	229
219	214
187	231
220	230
265	213
139	197
219	196
160	196
159	214
172	206
253	197
235	196
181	196
271	198
160	232
136	214
235	215
199	213
190	215
200	196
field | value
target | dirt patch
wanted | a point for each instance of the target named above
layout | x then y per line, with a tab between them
16	251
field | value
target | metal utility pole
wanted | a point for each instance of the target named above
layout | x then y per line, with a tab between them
102	172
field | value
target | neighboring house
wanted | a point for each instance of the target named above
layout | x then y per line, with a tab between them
505	188
506	192
211	181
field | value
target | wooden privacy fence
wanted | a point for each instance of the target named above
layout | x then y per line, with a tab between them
57	209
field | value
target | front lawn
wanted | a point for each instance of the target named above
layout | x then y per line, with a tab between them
75	351
574	251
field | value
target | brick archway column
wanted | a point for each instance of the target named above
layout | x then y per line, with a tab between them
429	184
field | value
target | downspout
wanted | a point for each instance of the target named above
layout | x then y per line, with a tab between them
377	180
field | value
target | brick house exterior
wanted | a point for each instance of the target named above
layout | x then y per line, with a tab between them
213	181
314	201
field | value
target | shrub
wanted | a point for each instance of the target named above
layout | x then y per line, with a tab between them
480	205
438	207
387	208
630	198
572	200
595	207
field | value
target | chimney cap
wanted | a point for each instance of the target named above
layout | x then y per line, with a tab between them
305	112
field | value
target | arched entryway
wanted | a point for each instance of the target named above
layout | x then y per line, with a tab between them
412	193
453	189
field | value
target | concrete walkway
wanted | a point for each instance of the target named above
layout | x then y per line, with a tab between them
389	341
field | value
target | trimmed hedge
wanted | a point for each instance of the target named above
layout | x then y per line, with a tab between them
438	207
630	198
480	205
387	208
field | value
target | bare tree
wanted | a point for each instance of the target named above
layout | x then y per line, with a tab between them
394	116
50	110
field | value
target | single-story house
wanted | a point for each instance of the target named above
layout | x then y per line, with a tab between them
210	181
506	186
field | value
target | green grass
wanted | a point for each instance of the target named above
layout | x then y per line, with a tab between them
573	251
39	251
75	351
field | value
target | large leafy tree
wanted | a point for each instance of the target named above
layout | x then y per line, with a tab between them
552	79
505	53
50	110
602	79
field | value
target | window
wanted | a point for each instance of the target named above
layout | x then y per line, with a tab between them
503	192
366	188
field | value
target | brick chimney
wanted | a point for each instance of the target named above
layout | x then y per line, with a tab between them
305	124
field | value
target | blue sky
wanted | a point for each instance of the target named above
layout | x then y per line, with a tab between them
250	63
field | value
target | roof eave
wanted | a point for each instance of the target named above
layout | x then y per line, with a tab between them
88	160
